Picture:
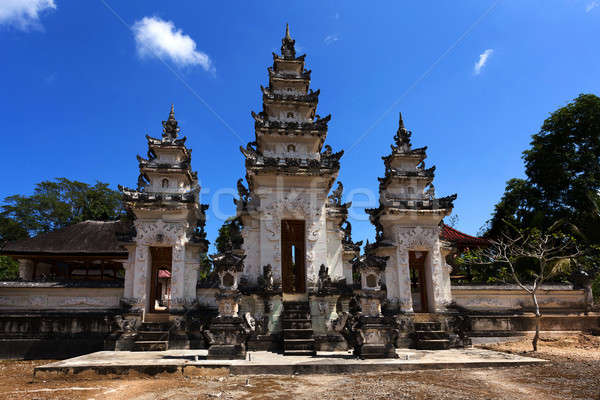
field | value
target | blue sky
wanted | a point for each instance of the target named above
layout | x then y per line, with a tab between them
474	79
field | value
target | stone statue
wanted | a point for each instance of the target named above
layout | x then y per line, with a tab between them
250	151
265	282
250	322
324	280
127	326
430	192
378	231
347	325
243	193
142	181
178	324
347	232
336	196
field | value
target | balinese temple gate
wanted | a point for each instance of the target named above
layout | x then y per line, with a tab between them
293	280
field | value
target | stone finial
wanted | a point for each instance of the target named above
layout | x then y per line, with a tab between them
287	32
400	121
170	126
402	137
287	45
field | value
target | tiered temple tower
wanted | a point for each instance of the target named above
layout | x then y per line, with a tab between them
407	224
169	224
288	220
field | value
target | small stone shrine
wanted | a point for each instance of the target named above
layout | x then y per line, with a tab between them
227	333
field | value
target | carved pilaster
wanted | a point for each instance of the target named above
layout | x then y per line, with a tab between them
141	276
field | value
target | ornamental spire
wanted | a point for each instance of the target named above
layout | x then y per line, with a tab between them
402	136
287	32
287	45
170	126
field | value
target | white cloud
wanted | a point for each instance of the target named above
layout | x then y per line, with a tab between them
153	36
483	59
330	39
24	14
591	6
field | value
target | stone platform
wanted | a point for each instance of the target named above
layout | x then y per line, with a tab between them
263	362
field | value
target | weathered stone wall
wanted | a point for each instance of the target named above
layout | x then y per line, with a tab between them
55	296
510	298
47	334
55	320
262	237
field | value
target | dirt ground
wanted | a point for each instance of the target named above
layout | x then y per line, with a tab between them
573	373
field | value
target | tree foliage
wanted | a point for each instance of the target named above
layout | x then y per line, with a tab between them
562	183
230	235
562	170
53	205
56	204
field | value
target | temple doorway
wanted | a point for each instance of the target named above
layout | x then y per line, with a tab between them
293	269
160	284
418	281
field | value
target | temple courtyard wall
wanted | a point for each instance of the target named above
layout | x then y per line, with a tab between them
56	320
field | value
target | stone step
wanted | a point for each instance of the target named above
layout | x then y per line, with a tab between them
297	333
298	344
428	326
296	324
431	335
438	344
151	345
296	314
154	326
299	353
153	335
296	306
156	317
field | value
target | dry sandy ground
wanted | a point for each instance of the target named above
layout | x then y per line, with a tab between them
574	373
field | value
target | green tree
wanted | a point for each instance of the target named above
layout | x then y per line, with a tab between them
563	173
562	183
53	205
56	204
230	234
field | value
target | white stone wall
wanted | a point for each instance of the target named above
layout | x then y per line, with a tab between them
397	274
251	247
57	298
335	251
512	298
184	264
262	237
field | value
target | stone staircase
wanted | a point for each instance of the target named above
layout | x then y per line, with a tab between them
297	329
153	334
430	336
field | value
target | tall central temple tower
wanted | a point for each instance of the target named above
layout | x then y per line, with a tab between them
289	222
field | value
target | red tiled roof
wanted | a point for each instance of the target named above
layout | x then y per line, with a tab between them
458	238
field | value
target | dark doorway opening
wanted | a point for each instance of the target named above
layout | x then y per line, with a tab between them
418	281
293	269
160	283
